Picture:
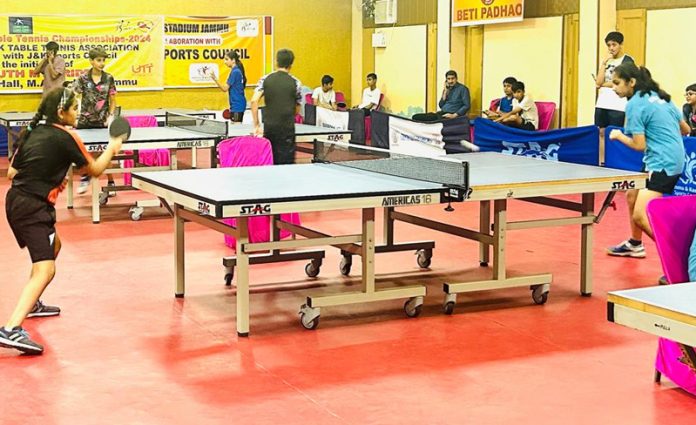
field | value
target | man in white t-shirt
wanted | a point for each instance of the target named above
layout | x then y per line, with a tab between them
325	96
609	109
524	114
371	95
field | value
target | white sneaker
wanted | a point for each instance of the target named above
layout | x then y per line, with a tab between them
83	187
112	193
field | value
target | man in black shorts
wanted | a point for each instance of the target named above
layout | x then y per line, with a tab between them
282	94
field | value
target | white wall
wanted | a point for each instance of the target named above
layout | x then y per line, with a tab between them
669	51
530	51
401	69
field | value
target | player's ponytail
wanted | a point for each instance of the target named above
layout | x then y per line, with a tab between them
644	82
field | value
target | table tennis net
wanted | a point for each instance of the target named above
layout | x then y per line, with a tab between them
197	124
446	171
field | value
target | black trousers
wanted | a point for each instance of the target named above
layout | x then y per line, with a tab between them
282	140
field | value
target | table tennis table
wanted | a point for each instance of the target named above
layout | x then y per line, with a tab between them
180	132
668	311
10	120
204	196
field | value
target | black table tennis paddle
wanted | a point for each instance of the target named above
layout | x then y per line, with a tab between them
120	126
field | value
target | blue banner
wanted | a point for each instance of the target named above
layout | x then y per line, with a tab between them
578	145
618	155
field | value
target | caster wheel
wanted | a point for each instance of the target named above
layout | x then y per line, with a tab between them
412	309
309	324
449	308
309	317
540	294
103	198
345	265
424	258
136	213
311	269
228	278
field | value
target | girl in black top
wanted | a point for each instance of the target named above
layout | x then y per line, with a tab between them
38	169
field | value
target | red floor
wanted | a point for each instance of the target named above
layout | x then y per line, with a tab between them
125	351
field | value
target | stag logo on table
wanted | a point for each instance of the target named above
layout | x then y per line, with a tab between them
532	150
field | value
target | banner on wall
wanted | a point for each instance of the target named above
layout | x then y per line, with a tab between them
480	12
194	47
134	45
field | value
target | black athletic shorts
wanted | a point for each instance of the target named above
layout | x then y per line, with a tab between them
32	221
659	181
236	116
603	118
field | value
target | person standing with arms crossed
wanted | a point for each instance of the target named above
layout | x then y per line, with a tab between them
98	90
234	86
52	66
37	172
282	93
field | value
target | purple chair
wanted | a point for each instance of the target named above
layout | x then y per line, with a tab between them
247	151
152	157
673	220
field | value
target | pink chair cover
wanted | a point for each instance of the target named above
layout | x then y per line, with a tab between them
673	242
154	157
546	111
247	151
341	98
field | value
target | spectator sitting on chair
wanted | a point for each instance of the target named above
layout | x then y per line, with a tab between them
524	114
371	95
689	109
504	104
325	96
455	101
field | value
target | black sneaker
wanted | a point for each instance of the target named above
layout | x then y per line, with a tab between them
42	310
18	339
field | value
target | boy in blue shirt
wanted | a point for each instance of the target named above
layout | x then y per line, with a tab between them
654	123
504	104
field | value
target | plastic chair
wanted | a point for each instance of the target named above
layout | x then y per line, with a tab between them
145	156
341	100
673	243
247	151
368	120
546	111
308	99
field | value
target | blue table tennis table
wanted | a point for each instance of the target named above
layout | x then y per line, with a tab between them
10	120
205	196
180	132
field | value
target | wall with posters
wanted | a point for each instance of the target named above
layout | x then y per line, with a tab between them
318	31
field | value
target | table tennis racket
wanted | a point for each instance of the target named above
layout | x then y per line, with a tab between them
226	114
120	126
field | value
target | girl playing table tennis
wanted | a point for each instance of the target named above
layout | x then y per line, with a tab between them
653	125
38	169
